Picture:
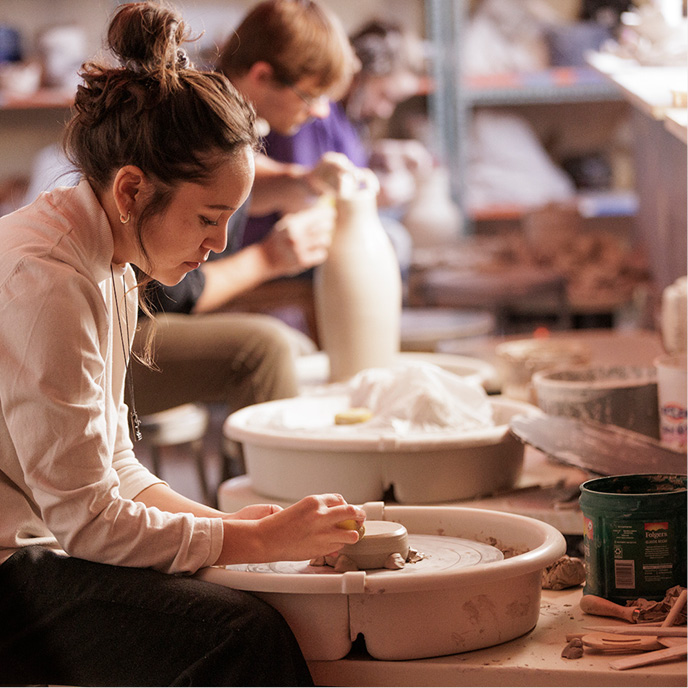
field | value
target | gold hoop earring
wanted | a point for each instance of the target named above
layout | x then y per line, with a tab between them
126	219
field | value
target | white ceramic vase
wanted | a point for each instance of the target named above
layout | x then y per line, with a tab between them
358	288
432	217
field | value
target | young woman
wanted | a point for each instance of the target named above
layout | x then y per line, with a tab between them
95	551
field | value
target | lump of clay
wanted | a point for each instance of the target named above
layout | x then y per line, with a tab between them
342	563
384	545
565	572
573	650
395	561
381	539
657	611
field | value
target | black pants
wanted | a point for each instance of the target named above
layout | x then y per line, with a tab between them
72	622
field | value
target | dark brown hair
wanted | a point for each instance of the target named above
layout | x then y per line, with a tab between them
155	110
297	38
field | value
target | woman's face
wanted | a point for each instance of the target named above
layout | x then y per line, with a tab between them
181	238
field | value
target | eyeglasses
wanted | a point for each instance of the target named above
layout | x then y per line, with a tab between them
310	101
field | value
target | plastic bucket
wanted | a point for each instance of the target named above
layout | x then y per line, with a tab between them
634	535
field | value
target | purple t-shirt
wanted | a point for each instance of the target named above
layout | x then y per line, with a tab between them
306	147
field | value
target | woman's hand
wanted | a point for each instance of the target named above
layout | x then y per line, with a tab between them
255	511
304	530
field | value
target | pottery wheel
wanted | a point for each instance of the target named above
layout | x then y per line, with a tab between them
440	554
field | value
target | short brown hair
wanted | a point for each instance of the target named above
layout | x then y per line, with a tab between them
297	38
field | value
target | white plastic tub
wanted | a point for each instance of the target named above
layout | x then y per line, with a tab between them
621	395
411	614
422	468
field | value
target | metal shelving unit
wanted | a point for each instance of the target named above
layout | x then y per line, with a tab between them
454	98
555	85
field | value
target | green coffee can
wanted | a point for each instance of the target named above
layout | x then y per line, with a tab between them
634	535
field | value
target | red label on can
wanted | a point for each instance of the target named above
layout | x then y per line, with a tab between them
663	525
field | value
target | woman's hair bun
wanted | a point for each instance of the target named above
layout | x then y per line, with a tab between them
146	37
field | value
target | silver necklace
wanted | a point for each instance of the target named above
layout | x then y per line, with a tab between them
134	421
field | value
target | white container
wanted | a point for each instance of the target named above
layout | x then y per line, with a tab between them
358	288
519	360
413	613
422	467
625	396
671	396
63	50
673	316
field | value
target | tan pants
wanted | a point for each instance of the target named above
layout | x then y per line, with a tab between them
235	359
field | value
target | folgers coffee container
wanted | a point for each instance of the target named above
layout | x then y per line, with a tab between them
635	535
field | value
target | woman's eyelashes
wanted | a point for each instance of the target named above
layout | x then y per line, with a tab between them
205	221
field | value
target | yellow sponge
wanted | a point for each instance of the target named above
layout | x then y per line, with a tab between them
352	524
353	415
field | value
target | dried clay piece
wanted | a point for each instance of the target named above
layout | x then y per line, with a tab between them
657	611
395	561
565	572
573	650
344	564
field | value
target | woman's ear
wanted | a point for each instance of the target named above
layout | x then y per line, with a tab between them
126	190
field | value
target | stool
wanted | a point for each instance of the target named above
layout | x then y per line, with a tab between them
186	424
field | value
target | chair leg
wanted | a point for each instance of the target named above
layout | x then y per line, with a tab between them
199	456
155	459
233	463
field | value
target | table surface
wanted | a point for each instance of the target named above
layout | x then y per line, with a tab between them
531	660
648	87
606	347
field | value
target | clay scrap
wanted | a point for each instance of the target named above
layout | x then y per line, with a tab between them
343	563
565	572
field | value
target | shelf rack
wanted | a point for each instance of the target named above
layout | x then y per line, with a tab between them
455	96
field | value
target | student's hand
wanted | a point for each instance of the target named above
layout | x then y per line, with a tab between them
256	511
332	172
300	240
302	531
399	165
290	188
311	528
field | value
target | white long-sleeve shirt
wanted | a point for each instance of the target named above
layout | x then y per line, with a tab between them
68	473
